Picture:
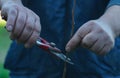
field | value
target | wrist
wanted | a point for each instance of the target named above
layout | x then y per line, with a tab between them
107	28
111	17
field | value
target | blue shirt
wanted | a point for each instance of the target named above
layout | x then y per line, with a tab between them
56	21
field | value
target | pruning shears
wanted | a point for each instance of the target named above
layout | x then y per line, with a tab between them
51	48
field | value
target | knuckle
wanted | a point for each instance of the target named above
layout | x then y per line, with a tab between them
79	35
29	28
14	9
37	29
21	20
13	12
37	18
92	23
90	40
28	23
86	44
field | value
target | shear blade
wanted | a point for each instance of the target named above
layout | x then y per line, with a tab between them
63	57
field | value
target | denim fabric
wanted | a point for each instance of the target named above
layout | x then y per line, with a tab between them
56	27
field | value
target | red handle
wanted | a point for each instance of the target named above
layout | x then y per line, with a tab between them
45	45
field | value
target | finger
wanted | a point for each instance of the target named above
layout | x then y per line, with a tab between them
28	29
105	50
34	35
89	40
98	45
20	24
107	47
11	17
94	41
79	35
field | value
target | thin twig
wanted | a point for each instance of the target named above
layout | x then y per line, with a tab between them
72	31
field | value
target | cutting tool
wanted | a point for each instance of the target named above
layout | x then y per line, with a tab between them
51	48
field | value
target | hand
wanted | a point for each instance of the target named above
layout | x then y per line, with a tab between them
94	35
22	23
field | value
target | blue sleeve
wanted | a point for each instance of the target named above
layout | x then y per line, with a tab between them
113	2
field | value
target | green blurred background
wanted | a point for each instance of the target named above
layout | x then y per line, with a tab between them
4	45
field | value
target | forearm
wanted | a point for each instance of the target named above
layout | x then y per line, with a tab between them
112	18
2	2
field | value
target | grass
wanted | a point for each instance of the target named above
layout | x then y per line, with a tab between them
4	41
3	72
4	45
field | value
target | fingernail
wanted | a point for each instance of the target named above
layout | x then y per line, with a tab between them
9	28
68	49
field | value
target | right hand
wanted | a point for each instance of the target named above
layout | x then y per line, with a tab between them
22	23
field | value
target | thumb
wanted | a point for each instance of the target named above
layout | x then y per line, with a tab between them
72	44
76	39
79	35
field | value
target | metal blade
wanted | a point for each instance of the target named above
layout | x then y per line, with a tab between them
63	57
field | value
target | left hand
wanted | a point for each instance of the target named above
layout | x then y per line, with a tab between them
94	35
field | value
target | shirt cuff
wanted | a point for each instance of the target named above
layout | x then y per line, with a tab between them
113	2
